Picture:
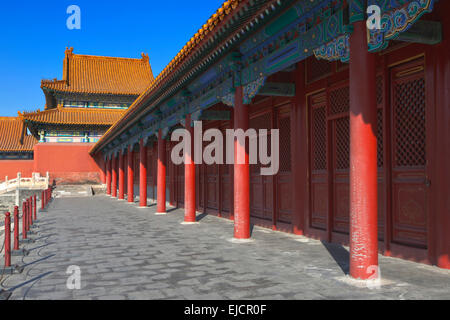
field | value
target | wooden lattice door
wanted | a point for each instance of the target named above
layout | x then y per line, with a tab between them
211	178
318	161
338	113
180	184
284	176
409	158
226	187
261	187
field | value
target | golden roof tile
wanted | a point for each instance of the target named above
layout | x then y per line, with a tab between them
102	75
11	132
75	116
227	8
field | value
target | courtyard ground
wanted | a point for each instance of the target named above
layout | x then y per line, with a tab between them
124	252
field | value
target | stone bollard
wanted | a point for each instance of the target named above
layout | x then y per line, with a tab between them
16	228
7	240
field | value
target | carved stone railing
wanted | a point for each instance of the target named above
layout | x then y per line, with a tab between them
36	182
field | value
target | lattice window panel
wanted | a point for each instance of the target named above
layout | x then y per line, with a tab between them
339	101
211	169
410	123
263	121
317	69
342	140
168	160
380	149
379	90
341	66
285	144
149	165
225	166
319	151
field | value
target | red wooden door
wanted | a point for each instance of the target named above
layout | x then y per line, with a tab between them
211	178
180	184
226	186
318	162
199	186
338	113
150	172
284	177
170	183
408	152
212	188
261	187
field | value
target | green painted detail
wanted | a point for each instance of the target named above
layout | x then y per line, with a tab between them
172	103
277	89
282	62
425	32
283	21
215	115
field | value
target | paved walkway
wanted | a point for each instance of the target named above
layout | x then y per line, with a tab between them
128	253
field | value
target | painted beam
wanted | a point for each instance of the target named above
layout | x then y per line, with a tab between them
424	32
278	89
215	115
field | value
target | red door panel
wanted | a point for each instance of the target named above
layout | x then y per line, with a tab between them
318	153
261	194
284	176
409	202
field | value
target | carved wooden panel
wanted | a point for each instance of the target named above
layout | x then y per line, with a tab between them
284	176
409	207
319	174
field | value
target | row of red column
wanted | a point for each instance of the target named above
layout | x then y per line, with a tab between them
29	215
363	165
363	161
115	175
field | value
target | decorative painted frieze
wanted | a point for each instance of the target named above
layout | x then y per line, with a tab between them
398	19
338	49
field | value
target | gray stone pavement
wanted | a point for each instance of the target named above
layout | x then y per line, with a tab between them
128	253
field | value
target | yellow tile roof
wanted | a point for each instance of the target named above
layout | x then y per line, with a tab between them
11	131
75	116
102	75
227	8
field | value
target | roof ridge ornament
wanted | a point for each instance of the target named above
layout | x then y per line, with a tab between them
145	57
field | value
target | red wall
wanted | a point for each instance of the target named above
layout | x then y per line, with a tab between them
11	167
67	163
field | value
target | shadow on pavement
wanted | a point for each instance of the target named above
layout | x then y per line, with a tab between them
339	254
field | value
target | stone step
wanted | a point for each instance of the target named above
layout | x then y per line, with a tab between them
78	190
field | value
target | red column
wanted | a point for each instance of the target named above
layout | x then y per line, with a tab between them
7	240
241	172
439	170
103	170
299	157
130	174
114	177
121	176
363	156
30	211
27	215
142	174
34	206
189	177
108	177
16	228
24	220
161	183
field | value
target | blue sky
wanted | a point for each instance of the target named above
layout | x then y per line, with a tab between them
33	38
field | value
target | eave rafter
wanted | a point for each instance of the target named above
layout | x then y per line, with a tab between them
268	37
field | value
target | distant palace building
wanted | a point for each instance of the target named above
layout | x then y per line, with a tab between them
93	94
